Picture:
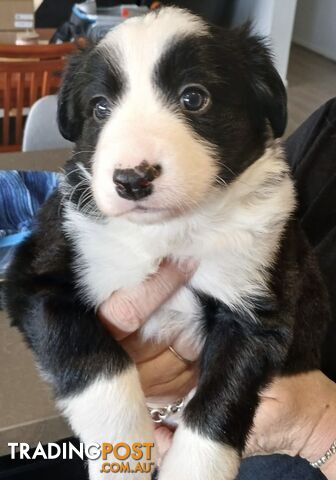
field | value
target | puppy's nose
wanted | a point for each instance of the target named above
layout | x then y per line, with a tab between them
136	183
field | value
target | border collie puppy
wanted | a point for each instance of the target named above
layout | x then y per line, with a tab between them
175	124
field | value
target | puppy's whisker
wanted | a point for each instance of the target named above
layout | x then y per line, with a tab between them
91	209
82	152
84	171
84	196
220	180
87	200
75	188
78	168
229	169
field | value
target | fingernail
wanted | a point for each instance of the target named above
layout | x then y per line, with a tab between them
188	266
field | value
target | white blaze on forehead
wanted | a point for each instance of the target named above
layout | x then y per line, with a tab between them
142	126
140	41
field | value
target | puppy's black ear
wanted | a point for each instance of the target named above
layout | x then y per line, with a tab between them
69	115
269	97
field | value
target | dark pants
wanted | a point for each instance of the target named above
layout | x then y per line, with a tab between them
311	152
278	467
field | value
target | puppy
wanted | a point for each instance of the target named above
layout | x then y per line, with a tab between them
176	126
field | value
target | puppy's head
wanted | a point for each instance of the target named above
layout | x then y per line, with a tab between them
165	110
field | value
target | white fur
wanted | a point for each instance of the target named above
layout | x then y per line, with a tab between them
155	31
234	236
110	410
142	127
195	457
233	231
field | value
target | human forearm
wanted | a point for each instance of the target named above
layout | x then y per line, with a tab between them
324	433
329	469
327	462
297	416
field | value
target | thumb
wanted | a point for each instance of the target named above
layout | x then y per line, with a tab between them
128	309
163	440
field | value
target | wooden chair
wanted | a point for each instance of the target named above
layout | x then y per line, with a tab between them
27	73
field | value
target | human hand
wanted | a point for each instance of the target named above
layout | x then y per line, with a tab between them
297	416
163	376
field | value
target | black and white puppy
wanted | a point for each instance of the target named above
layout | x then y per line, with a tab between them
175	124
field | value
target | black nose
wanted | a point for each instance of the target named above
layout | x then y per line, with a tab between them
136	183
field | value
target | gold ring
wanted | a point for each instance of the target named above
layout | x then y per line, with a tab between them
177	355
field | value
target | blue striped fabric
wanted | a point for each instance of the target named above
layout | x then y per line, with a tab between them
21	195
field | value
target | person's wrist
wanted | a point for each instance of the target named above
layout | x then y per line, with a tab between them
320	442
324	432
329	468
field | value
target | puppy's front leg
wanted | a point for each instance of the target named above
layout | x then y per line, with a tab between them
236	362
112	410
95	381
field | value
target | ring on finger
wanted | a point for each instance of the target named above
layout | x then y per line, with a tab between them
177	355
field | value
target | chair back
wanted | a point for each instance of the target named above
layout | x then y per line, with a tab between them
27	73
41	130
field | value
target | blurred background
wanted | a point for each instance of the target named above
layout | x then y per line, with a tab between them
302	34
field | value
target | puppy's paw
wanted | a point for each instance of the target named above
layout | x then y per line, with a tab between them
113	411
194	457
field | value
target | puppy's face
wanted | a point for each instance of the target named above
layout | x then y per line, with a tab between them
165	110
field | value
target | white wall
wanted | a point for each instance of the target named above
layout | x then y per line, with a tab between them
315	26
37	3
273	19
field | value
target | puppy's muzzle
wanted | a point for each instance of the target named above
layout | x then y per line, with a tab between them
136	183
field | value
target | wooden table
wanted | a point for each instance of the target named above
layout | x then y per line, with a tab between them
49	160
10	38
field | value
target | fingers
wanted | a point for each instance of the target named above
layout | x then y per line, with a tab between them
167	376
127	310
163	439
185	348
151	372
177	388
141	351
161	372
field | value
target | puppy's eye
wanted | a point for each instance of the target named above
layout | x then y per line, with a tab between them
195	98
101	108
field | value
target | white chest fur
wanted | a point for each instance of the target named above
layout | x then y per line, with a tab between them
234	238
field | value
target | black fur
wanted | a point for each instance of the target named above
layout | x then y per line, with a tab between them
88	76
71	344
241	354
246	90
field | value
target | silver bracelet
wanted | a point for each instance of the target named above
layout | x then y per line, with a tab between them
160	414
329	453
